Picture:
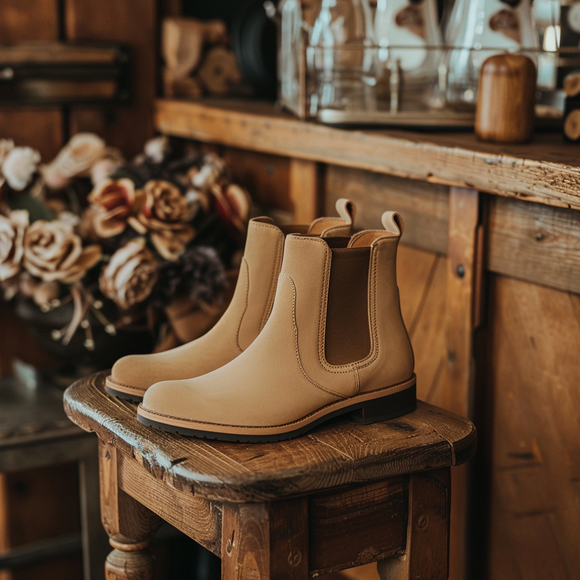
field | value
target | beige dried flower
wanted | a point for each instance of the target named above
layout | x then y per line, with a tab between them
6	145
53	252
19	166
157	148
130	275
75	158
211	172
165	213
12	228
116	200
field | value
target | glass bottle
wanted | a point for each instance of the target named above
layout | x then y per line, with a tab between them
341	56
486	27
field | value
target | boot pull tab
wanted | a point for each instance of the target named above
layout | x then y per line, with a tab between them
346	209
393	222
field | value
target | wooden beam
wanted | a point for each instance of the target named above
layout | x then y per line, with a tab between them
304	190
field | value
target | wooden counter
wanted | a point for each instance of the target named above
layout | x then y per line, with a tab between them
489	289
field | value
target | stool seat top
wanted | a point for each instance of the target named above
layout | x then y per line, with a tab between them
338	453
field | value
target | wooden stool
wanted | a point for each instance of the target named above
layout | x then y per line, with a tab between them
344	495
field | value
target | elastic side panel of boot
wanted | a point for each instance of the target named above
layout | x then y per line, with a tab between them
347	321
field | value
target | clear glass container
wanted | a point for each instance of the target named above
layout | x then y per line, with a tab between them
344	78
477	30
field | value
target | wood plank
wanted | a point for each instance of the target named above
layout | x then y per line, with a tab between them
460	365
266	177
424	206
535	243
265	540
355	526
426	554
535	458
341	453
17	25
194	516
545	171
132	22
303	190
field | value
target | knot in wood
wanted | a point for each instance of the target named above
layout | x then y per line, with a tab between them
294	558
422	521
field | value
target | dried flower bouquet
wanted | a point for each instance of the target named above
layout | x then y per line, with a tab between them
93	230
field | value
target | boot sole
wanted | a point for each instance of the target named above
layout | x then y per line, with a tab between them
366	411
115	389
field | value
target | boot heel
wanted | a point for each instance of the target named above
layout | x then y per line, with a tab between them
388	407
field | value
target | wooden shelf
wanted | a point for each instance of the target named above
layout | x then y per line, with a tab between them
545	171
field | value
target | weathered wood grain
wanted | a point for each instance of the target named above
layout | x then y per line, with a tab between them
546	171
459	326
196	517
535	243
338	454
535	459
265	540
424	206
355	526
426	555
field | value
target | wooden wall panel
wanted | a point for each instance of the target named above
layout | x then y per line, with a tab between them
26	20
133	22
424	206
41	128
535	242
535	463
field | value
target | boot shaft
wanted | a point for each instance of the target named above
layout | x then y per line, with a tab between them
346	304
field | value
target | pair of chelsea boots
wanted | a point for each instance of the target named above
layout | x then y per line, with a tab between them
314	330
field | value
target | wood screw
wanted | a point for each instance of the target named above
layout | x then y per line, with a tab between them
229	547
461	270
422	521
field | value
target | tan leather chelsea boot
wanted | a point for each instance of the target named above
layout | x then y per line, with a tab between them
244	318
334	344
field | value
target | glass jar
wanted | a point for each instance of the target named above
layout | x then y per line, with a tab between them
341	56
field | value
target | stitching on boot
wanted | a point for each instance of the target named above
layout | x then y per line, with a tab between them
273	282
296	349
244	261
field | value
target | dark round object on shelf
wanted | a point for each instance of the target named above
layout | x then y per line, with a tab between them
255	46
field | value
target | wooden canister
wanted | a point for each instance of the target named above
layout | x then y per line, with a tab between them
505	99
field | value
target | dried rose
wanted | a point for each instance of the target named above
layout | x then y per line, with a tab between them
156	149
210	173
165	213
6	145
130	275
232	205
52	251
115	200
43	293
75	158
103	169
19	166
12	228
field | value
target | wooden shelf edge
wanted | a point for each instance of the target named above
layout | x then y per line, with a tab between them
546	171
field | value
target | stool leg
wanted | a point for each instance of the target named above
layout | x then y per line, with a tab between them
129	524
265	540
427	553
